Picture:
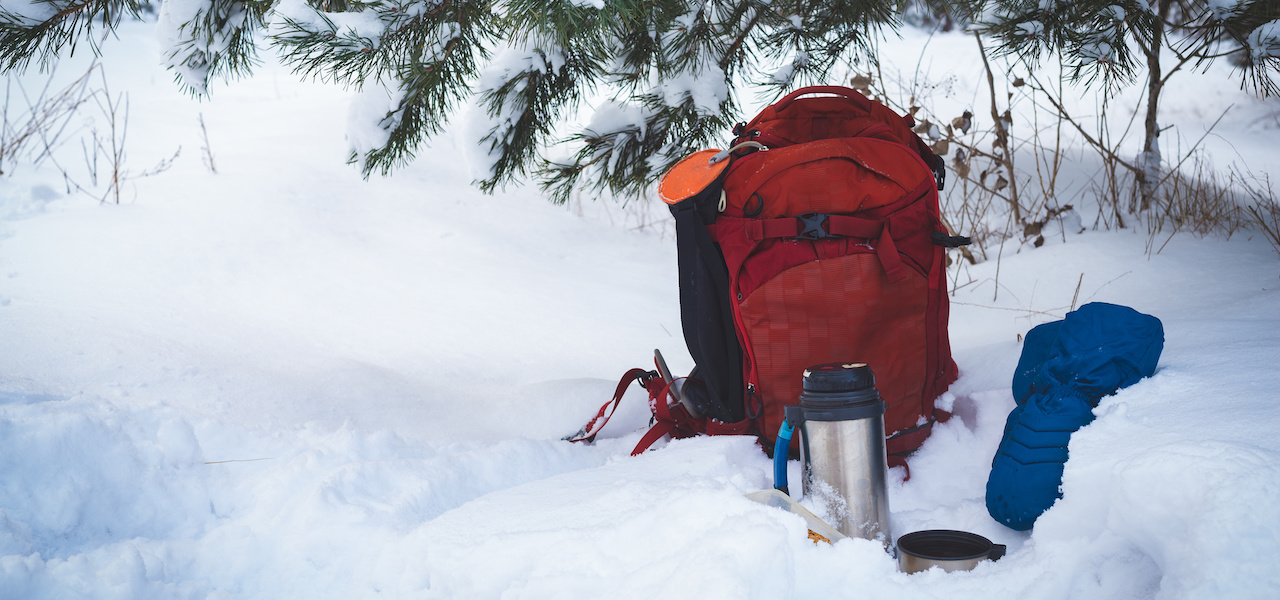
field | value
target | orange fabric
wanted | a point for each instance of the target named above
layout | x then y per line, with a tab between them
689	176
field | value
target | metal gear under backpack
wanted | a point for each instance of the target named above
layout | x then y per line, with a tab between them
815	239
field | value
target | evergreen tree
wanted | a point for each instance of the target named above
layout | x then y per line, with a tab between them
669	71
1114	42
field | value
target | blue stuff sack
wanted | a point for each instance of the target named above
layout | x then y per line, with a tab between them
1066	367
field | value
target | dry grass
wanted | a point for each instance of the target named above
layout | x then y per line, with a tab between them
33	126
1262	208
32	135
1197	200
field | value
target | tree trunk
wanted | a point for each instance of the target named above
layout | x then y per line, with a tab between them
1149	162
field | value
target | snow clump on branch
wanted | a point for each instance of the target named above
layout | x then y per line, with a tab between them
1264	42
192	48
374	113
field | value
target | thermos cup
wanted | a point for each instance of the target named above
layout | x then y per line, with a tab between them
946	549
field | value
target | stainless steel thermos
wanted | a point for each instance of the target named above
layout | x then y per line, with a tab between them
840	417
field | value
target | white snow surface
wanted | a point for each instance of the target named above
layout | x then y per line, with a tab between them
282	381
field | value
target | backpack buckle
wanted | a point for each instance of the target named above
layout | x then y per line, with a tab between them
812	227
940	172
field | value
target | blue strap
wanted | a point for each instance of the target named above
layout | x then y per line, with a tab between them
780	457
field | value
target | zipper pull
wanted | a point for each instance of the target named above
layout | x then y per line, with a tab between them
755	405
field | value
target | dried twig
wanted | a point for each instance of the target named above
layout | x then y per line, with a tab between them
206	152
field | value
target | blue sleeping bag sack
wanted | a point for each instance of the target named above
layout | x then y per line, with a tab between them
1066	367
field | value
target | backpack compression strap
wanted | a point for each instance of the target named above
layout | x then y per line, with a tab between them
589	431
816	226
670	417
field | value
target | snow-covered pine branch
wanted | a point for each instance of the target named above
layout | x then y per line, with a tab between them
626	146
677	64
807	38
1106	39
418	59
203	39
1262	55
523	94
44	29
672	97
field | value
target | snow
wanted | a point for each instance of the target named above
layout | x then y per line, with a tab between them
1264	42
372	116
1226	9
365	24
617	116
1031	28
282	381
29	10
705	89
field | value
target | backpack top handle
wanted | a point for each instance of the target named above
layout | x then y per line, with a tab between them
851	95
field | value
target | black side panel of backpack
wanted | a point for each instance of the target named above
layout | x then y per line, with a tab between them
705	312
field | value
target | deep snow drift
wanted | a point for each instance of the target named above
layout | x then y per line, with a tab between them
280	381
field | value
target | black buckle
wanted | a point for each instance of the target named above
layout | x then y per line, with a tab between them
644	378
811	227
940	172
949	241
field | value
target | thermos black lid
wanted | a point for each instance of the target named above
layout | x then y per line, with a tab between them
840	392
839	377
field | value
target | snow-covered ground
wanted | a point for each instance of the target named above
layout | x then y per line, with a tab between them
281	381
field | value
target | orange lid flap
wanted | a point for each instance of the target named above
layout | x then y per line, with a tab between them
691	175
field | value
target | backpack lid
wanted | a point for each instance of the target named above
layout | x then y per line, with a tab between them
690	176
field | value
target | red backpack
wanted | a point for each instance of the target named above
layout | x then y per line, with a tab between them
815	239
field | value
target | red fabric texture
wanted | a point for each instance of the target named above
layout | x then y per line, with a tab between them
838	310
842	175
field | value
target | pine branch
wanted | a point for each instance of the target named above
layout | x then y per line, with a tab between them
736	52
628	159
61	25
814	35
445	48
527	106
218	41
327	54
557	24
